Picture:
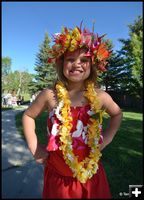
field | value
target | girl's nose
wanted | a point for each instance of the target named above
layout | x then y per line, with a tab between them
77	62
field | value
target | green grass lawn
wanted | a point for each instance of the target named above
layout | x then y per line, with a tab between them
122	159
11	108
6	108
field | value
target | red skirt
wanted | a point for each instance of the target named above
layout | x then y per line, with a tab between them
59	183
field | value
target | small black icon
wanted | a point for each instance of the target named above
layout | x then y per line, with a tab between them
136	191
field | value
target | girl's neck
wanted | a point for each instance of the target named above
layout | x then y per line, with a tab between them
75	87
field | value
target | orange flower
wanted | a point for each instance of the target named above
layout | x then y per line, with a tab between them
102	52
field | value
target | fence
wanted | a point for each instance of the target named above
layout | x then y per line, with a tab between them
126	100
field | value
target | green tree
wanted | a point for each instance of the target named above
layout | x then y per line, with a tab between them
17	81
6	65
45	72
137	48
131	53
113	78
6	70
24	79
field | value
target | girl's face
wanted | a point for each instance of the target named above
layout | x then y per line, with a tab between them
77	65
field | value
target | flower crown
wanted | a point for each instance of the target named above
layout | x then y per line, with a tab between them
72	39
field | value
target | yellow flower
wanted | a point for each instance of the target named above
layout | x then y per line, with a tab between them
85	169
75	39
76	34
67	41
73	45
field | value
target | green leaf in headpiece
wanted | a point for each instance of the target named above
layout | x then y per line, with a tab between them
95	116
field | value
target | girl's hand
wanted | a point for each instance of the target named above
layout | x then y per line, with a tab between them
106	140
41	155
102	146
42	159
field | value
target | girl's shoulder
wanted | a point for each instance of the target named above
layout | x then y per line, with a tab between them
43	96
107	103
50	96
100	92
104	97
47	92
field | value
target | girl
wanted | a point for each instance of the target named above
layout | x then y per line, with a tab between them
72	165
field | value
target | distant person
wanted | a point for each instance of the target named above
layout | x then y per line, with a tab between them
4	99
33	97
9	99
19	100
14	101
13	98
72	157
22	100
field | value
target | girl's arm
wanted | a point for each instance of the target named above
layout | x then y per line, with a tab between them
115	114
28	120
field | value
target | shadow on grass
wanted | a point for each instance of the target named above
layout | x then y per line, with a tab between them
41	126
122	159
6	108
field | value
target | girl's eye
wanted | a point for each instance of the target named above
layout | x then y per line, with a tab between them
84	60
70	60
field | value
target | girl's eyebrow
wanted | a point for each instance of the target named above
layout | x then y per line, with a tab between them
69	56
84	56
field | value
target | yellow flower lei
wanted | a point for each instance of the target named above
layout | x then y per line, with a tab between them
85	169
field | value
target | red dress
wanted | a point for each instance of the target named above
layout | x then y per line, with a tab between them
58	178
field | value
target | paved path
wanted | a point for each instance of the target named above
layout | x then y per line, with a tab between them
22	177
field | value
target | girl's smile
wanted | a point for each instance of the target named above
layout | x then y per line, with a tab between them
76	71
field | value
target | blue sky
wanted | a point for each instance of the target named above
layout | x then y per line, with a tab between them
24	24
